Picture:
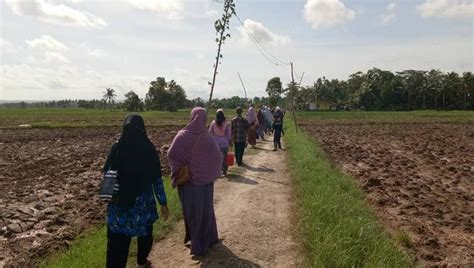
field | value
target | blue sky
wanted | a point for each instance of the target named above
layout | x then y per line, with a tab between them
76	48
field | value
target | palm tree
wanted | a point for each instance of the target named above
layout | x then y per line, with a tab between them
109	96
467	84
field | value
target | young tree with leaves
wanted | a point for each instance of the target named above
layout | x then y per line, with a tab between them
222	26
274	90
132	102
165	96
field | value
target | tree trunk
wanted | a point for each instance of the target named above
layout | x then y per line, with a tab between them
424	101
465	99
217	61
409	100
443	100
436	102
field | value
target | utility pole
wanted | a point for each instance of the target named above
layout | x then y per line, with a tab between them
292	99
243	86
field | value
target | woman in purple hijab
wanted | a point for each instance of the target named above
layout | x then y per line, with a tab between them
194	147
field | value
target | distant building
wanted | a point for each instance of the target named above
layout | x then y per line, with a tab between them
320	105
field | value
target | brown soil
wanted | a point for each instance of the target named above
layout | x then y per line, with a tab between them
49	181
252	205
418	177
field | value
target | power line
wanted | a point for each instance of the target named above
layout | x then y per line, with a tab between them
260	48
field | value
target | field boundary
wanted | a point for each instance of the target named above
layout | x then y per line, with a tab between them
335	225
89	248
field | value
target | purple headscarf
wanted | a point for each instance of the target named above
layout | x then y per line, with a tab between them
251	115
205	163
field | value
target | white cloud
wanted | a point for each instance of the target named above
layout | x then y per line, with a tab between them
47	50
172	9
389	14
30	82
51	57
5	46
446	8
60	14
212	13
96	53
46	42
327	13
261	34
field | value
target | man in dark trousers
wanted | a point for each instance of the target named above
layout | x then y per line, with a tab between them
240	127
277	128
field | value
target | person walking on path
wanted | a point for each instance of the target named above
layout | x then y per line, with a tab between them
253	122
268	118
277	128
261	124
135	158
240	127
220	129
194	150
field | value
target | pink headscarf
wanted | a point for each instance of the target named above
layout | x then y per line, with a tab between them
251	115
206	160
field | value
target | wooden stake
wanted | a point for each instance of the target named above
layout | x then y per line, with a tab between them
293	100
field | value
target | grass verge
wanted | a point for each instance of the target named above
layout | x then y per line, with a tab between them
368	117
90	248
336	226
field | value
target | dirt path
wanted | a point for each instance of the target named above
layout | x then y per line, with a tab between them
253	205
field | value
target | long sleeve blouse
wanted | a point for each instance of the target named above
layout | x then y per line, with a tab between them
133	221
222	141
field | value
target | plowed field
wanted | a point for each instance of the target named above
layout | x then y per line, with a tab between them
49	181
419	178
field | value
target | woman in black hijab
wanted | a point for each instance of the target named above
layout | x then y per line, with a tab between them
133	214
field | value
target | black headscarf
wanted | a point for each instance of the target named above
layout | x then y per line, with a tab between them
220	118
138	162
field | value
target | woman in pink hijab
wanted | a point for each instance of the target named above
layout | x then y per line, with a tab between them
220	130
194	147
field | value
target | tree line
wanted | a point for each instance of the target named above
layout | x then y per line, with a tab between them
375	89
383	90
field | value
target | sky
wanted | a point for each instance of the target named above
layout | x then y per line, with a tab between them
74	49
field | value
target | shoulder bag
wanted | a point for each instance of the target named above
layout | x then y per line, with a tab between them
184	175
109	187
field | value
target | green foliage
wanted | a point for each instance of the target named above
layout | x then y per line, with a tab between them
165	96
221	26
336	227
132	102
274	90
109	96
90	249
383	90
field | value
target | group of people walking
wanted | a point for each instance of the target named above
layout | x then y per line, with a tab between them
197	157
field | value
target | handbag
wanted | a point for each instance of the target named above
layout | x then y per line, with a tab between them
184	175
109	187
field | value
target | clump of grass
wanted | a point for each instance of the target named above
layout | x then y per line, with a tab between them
89	250
336	226
404	239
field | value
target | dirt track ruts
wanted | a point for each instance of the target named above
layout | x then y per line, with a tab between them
253	207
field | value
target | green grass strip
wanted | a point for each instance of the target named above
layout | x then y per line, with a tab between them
89	249
336	226
391	117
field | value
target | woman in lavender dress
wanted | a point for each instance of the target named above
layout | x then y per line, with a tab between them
220	129
194	147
